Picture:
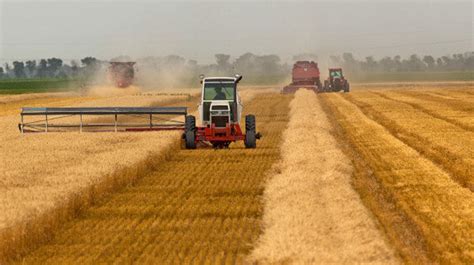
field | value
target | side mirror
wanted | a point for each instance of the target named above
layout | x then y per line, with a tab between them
238	78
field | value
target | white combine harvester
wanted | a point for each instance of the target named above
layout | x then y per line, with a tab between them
220	111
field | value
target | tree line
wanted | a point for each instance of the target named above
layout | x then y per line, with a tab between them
414	63
256	68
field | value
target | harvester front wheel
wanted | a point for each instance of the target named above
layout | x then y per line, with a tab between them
190	132
250	132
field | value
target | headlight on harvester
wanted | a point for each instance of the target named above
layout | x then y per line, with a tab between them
219	112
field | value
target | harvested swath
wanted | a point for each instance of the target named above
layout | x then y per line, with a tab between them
458	115
464	93
437	209
415	85
447	144
197	206
312	214
463	103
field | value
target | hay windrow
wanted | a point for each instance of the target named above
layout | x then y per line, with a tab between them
312	214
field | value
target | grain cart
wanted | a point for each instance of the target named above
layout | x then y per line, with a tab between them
336	81
220	112
305	74
122	74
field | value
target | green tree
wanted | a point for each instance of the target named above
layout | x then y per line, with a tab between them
7	68
91	66
386	64
350	63
89	61
74	68
31	67
370	65
222	61
54	64
429	61
19	69
42	69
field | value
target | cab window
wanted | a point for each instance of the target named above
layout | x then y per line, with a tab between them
336	74
219	91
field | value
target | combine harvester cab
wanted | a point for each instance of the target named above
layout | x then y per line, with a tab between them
220	113
122	74
336	81
306	75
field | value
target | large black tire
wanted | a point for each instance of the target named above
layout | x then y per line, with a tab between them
250	132
190	132
346	87
326	86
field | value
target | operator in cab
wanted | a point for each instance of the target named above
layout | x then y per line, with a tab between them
219	94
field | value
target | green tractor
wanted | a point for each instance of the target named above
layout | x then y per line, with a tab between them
336	81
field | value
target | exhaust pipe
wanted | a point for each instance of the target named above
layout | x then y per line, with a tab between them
237	80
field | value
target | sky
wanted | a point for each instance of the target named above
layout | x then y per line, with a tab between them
197	30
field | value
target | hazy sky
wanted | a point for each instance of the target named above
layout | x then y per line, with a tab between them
198	29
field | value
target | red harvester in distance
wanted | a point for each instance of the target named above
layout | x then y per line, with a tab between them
122	73
305	74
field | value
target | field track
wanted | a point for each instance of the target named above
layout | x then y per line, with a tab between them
428	217
199	206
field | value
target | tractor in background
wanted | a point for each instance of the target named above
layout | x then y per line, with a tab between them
305	74
122	74
220	113
336	81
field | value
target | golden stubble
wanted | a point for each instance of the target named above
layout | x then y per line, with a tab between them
436	211
195	206
47	177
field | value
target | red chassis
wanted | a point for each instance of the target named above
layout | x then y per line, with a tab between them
219	137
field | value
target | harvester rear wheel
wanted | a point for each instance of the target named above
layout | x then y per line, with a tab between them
250	132
190	132
346	87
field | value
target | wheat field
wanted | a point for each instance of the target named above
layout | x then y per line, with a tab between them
47	177
380	175
448	144
199	206
418	196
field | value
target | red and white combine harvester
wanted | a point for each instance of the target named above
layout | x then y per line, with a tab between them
122	74
306	75
220	111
